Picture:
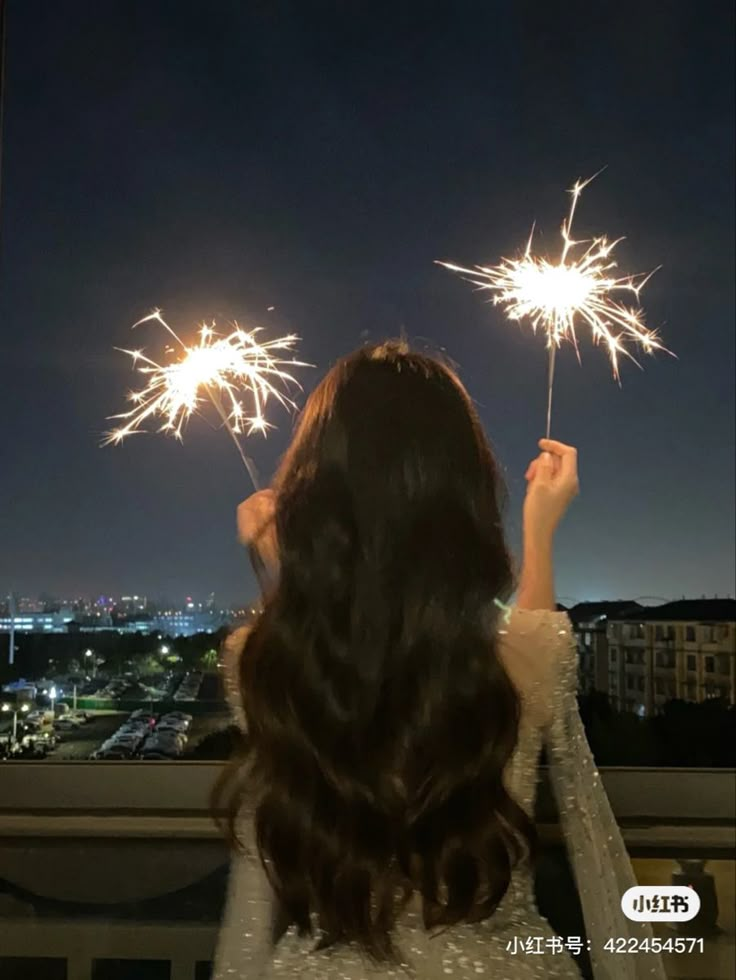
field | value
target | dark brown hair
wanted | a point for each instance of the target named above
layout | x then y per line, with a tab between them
380	718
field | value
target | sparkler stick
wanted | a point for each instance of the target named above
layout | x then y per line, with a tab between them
550	383
233	366
247	461
555	296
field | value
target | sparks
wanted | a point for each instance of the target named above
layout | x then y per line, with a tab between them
220	369
556	296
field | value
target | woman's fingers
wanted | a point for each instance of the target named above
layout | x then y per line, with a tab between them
567	456
558	448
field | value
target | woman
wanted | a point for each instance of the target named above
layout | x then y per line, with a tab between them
395	707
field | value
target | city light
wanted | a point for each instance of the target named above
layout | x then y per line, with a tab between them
21	710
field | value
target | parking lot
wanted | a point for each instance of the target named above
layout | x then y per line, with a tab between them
78	742
82	742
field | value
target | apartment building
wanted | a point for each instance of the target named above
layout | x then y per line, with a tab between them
684	649
590	622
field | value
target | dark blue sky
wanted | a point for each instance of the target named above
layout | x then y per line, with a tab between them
317	157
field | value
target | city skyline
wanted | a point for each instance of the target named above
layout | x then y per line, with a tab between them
104	602
321	208
130	606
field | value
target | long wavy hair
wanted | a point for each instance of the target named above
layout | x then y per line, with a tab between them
380	718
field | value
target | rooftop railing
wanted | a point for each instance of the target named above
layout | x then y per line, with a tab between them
116	871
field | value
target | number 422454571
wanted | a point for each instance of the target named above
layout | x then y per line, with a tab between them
681	944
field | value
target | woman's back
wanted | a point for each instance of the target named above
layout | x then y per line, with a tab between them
395	718
540	658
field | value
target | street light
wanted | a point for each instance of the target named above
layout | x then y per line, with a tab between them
164	650
16	711
52	697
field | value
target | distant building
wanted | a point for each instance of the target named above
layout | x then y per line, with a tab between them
181	623
684	649
25	605
590	621
37	622
138	624
131	604
190	622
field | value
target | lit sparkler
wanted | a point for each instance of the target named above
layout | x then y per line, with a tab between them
555	296
220	369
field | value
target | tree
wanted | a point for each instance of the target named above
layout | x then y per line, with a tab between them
149	665
697	734
219	745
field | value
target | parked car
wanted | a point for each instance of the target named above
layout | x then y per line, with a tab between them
33	747
140	715
36	727
172	726
161	752
189	687
28	751
41	716
169	744
166	736
47	738
68	724
177	719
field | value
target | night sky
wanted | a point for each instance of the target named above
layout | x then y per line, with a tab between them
219	159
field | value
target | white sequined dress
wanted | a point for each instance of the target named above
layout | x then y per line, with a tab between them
540	656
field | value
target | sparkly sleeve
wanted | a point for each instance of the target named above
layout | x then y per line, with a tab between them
245	945
598	855
232	651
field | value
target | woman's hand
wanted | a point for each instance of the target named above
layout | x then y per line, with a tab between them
552	483
257	529
254	514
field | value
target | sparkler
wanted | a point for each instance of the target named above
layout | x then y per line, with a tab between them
555	296
221	369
